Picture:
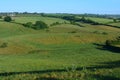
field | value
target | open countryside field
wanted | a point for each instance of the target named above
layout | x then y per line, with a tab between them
61	52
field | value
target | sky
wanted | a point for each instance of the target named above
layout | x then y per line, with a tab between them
61	6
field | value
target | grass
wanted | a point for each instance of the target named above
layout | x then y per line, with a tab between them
115	24
56	57
57	54
101	20
34	19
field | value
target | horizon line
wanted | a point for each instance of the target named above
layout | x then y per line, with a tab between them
58	12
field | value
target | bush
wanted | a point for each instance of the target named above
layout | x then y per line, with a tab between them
0	17
113	42
54	24
4	45
73	32
40	25
7	19
28	24
105	33
75	23
108	42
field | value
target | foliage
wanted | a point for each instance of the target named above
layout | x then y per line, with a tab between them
75	23
55	23
0	17
28	24
108	42
42	14
83	19
115	20
40	25
4	45
40	55
70	18
113	42
7	19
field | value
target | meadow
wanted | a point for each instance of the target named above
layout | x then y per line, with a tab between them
61	52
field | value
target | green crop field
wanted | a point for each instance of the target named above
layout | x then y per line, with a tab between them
61	52
101	20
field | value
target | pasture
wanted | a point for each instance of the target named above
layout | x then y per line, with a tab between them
61	52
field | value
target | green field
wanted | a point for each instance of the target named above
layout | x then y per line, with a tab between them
61	52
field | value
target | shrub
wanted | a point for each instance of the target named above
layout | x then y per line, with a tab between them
113	42
118	38
96	32
40	25
114	20
7	19
0	17
75	23
47	30
4	45
105	33
54	24
65	22
108	42
28	24
73	32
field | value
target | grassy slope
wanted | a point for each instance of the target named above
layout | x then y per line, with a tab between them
105	21
30	50
11	29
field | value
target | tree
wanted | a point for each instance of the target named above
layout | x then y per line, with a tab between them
83	18
40	25
114	20
0	17
42	14
7	19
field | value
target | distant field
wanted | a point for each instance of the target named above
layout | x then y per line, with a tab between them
34	19
115	24
101	20
61	52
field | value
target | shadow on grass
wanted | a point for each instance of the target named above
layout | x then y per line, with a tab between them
106	65
102	65
108	48
43	78
17	23
101	77
32	72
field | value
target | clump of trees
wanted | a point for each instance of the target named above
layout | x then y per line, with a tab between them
40	25
37	26
83	19
7	19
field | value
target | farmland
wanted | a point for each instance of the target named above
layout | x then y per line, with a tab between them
61	52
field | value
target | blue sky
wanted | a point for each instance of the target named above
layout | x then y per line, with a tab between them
61	6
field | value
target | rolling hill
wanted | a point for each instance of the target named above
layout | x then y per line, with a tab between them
57	52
